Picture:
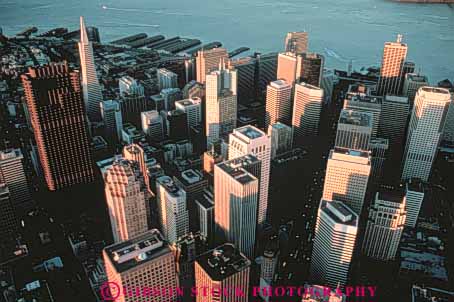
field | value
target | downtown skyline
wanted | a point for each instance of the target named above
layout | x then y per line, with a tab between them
201	159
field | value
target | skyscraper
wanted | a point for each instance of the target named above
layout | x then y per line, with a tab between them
12	174
385	225
205	213
288	67
296	42
393	120
54	100
193	109
145	262
250	140
132	100
412	82
208	61
414	195
112	119
153	125
236	194
311	68
347	175
354	130
425	131
177	125
92	94
281	138
221	103
225	270
126	200
307	107
172	208
392	64
8	221
335	238
246	69
166	79
278	103
359	99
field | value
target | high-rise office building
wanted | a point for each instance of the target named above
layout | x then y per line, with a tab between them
335	238
153	125
278	103
246	69
414	195
130	86
208	61
172	208
225	270
385	225
281	138
379	148
112	119
193	89
354	130
205	214
296	42
250	140
8	220
166	79
307	107
288	67
132	100
177	125
12	174
236	193
393	120
412	82
347	176
169	97
311	68
425	131
364	102
266	71
54	100
193	109
392	65
126	200
270	260
92	94
144	262
221	103
448	131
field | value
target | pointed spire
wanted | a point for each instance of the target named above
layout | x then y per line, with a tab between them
83	31
221	64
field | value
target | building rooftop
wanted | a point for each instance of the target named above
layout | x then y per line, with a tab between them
189	102
280	84
353	117
206	198
339	212
9	154
436	90
430	294
396	195
416	77
138	251
169	185
222	262
250	132
191	176
237	172
338	152
415	185
396	99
